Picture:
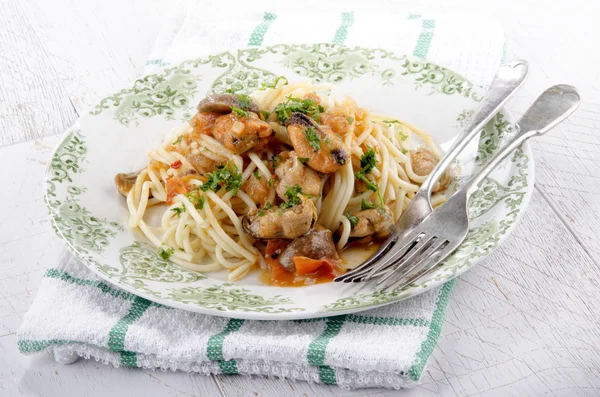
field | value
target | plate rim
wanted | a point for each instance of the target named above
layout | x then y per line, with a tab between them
292	315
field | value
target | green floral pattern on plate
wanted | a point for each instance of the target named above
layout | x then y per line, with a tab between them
140	261
75	223
226	297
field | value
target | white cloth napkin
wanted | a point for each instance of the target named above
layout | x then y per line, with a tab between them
77	314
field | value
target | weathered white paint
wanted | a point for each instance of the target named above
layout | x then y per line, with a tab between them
522	323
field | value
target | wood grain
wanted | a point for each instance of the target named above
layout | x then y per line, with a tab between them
34	101
524	322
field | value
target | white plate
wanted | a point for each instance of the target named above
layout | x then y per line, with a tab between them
115	136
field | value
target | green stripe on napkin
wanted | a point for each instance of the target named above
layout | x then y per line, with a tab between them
214	349
342	31
258	35
64	276
116	336
424	40
317	348
437	319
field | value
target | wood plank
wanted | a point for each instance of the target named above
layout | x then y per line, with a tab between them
105	46
524	321
34	102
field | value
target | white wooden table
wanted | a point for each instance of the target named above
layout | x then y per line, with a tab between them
522	323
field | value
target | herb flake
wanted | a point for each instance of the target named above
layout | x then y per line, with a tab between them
165	253
293	196
352	218
266	207
227	176
179	138
292	105
313	138
178	210
365	205
273	84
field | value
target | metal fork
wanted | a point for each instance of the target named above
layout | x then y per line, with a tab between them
444	230
509	77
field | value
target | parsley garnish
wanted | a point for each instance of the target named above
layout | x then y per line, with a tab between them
165	253
365	205
245	101
303	160
404	151
367	163
178	210
402	136
266	207
313	138
265	114
273	84
227	176
179	138
350	120
293	105
239	112
270	183
391	121
275	160
198	202
256	175
292	195
352	218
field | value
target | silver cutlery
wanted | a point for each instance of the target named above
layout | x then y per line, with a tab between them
509	77
434	239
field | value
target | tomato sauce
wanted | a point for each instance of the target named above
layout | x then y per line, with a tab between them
276	275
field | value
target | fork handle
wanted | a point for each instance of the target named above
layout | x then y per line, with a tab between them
509	77
553	106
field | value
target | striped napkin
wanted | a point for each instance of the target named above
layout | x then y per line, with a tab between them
75	314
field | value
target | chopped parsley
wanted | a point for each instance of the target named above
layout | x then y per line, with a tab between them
265	114
227	176
197	201
270	183
350	120
367	163
391	121
275	160
292	105
404	151
313	138
179	138
266	207
352	218
402	136
256	175
178	210
365	205
165	253
239	112
273	84
292	194
303	160
244	101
